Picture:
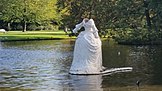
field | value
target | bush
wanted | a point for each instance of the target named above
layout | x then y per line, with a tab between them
139	37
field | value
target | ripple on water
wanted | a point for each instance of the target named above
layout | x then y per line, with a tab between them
44	65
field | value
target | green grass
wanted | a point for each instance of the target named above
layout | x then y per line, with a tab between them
32	35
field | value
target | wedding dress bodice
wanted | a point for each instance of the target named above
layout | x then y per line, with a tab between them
89	27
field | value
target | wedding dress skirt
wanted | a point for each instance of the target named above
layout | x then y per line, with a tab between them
87	57
87	54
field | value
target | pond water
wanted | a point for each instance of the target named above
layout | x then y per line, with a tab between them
44	65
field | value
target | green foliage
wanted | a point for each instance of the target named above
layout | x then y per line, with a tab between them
155	9
123	19
29	11
106	13
138	37
142	36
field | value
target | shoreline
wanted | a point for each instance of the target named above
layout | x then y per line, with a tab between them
12	36
35	39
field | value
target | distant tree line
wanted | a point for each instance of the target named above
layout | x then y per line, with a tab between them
133	20
113	13
115	17
108	14
31	14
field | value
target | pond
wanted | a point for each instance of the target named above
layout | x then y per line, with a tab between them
44	65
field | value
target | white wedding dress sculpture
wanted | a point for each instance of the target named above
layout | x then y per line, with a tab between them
87	52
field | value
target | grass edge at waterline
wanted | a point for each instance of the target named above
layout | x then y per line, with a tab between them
33	35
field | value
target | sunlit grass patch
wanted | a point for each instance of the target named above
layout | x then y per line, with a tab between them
32	35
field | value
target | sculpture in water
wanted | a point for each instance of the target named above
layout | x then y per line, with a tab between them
87	57
87	52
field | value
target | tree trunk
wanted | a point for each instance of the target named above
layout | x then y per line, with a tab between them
148	19
9	26
24	16
24	26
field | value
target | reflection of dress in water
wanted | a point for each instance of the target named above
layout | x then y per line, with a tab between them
87	52
86	83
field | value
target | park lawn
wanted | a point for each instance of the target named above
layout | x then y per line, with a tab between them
33	35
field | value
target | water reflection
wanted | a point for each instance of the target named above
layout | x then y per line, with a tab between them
86	83
34	64
44	65
147	62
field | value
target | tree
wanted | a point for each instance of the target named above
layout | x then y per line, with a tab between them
155	10
8	11
106	13
29	11
111	14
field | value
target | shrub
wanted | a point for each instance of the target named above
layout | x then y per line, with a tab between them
139	37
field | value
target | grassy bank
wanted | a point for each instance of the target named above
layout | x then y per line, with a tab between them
32	35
